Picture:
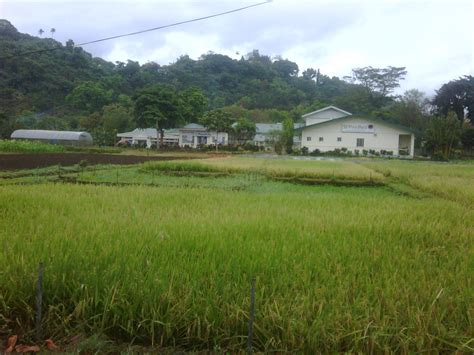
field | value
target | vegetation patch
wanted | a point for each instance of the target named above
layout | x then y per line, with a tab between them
21	146
179	167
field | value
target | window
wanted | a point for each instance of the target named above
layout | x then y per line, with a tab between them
339	139
360	142
308	139
321	139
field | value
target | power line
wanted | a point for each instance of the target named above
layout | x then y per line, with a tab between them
142	31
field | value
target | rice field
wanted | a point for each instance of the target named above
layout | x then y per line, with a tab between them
453	181
167	263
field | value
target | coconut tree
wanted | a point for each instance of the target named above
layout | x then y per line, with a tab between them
53	31
40	32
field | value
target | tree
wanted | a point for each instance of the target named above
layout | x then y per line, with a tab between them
412	110
53	31
116	118
194	104
287	135
89	97
244	130
91	122
219	121
443	134
285	68
378	82
40	32
7	126
457	96
274	138
467	139
158	106
311	74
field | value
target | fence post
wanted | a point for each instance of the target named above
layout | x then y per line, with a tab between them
39	301
251	317
117	177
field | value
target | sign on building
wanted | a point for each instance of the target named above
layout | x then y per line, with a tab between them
357	128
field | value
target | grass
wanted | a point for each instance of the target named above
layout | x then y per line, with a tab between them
453	181
169	267
20	146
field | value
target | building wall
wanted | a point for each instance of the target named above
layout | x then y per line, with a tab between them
323	116
380	137
190	138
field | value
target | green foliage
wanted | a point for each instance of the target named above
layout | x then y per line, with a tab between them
194	104
217	120
467	138
379	82
457	96
20	146
180	167
287	135
443	134
89	97
157	106
117	118
244	130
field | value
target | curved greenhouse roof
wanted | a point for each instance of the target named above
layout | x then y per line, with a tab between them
51	135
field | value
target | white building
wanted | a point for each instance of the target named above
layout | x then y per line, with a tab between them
192	135
264	130
332	128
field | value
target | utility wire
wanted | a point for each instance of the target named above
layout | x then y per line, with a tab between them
142	31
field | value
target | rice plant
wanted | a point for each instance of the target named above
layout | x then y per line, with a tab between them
338	269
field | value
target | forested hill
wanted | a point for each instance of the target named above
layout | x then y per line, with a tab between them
41	82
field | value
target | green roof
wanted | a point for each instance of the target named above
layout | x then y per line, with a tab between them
374	119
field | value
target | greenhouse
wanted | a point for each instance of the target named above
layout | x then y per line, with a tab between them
54	137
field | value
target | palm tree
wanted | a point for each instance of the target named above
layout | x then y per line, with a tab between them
40	32
53	30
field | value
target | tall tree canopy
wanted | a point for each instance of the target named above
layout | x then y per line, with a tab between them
378	82
157	106
457	96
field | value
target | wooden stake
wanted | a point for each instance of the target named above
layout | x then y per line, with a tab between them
251	316
39	301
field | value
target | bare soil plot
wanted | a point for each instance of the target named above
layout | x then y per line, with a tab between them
41	160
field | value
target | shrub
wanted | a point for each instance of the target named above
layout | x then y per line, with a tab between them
356	152
304	151
365	152
315	152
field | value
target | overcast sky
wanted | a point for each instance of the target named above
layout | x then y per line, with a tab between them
433	39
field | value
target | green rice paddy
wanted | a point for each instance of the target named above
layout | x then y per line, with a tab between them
140	255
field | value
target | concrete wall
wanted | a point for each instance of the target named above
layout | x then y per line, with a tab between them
380	137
